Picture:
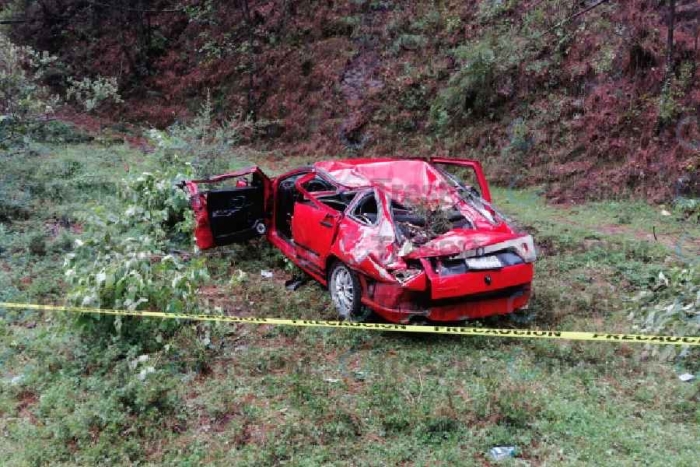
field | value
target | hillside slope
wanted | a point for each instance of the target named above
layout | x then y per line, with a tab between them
565	94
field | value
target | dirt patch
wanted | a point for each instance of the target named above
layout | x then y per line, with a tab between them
27	400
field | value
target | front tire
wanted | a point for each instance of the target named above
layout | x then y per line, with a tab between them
344	286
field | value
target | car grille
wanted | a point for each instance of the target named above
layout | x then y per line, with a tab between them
446	266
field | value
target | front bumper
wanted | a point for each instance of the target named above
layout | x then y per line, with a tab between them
460	298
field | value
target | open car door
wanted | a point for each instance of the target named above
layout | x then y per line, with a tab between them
467	172
232	207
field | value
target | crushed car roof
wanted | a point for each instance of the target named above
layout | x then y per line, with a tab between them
401	179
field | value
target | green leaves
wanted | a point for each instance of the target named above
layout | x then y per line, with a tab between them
671	305
90	93
688	208
477	88
24	102
124	260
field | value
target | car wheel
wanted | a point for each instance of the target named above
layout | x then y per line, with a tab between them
344	287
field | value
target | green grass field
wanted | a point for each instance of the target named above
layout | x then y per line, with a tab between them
263	395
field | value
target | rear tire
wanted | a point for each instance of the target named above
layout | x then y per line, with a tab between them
344	287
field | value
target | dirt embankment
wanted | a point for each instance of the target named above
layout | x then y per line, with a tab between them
581	112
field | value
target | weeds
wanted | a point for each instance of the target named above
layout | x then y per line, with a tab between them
688	209
124	261
671	305
276	394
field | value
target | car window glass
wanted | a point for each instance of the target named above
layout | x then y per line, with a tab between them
367	210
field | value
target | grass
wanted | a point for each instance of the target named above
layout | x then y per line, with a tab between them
263	395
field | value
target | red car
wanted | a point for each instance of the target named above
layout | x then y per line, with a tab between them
414	240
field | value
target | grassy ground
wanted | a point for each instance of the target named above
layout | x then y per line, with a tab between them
248	395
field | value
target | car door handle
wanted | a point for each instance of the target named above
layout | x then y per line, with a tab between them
327	221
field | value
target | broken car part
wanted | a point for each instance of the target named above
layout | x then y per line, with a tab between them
407	238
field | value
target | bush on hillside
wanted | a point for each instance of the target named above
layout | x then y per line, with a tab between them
24	103
481	85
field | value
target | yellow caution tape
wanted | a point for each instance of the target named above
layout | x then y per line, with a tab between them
427	329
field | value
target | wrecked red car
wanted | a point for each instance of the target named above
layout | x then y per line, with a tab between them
414	240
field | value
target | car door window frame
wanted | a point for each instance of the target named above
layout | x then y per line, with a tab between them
359	198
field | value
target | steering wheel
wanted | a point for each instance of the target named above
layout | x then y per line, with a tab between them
364	218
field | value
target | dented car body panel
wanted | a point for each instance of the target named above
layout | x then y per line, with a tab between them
423	244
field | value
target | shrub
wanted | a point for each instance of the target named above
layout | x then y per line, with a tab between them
520	137
477	89
669	107
688	208
206	141
24	102
153	203
492	9
671	305
37	244
125	259
409	42
15	198
673	92
91	92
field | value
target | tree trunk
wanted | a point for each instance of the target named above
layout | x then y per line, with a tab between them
252	110
669	43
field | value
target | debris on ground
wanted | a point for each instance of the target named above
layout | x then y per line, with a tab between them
500	453
686	377
266	274
295	282
16	380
